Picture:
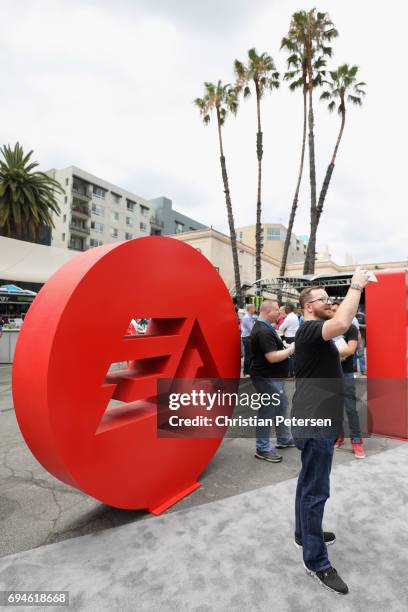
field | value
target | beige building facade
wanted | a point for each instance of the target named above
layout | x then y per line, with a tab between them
274	236
217	248
35	263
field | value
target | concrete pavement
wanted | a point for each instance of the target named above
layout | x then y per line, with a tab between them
239	521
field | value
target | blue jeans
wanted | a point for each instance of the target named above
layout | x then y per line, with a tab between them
351	406
283	435
291	372
360	357
247	353
313	490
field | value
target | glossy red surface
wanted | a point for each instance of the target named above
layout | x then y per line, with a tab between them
76	328
387	354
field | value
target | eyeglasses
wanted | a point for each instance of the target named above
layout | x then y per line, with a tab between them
325	300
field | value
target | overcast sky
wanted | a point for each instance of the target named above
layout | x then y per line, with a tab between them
108	85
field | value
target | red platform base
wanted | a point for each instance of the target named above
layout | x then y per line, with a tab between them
174	499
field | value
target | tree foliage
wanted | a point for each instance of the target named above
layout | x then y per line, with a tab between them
27	197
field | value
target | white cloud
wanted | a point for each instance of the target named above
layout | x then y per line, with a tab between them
108	86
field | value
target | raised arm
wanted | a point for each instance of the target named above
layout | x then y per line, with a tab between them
341	321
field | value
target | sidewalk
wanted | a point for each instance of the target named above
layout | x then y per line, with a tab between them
228	546
238	553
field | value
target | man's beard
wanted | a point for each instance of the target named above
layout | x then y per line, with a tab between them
325	314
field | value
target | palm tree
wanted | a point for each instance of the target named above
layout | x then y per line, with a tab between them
297	75
316	30
223	99
343	84
27	198
260	70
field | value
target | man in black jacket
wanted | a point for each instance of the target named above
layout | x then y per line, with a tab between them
269	368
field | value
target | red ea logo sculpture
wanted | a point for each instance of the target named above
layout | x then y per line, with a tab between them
76	329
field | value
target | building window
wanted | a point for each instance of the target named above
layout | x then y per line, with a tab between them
65	199
273	233
179	227
76	243
63	237
98	210
114	232
95	243
67	181
97	227
129	221
115	215
192	229
130	205
241	236
115	198
128	236
98	192
143	226
78	223
64	219
79	187
144	211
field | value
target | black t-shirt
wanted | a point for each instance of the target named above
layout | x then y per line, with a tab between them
319	377
347	364
265	340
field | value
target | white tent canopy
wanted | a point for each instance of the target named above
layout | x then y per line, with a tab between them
30	262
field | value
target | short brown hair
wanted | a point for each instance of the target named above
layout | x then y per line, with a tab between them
305	294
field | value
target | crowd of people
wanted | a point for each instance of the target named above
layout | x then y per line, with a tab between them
317	346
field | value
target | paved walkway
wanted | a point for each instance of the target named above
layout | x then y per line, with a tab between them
228	546
237	553
37	509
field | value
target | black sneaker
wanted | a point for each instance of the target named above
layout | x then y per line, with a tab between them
328	536
329	579
271	456
289	444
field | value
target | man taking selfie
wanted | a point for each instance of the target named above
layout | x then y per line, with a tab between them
319	394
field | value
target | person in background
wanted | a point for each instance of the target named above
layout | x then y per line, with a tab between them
281	318
299	313
269	368
350	404
359	355
288	331
247	324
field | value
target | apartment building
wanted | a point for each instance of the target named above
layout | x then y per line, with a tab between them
166	221
96	212
273	237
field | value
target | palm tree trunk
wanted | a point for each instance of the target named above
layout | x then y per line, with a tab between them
258	227
308	267
310	254
315	217
237	276
330	168
296	196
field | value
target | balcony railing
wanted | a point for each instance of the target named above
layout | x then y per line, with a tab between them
81	210
80	194
155	221
79	228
